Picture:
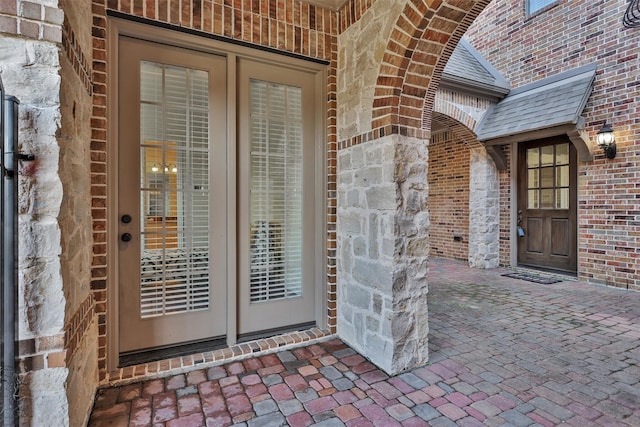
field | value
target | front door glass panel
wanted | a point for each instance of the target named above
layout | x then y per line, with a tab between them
548	177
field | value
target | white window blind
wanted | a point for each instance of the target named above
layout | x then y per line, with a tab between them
174	190
275	191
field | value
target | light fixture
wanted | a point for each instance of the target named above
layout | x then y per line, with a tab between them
607	141
167	168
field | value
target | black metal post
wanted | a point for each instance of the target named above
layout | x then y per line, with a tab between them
2	300
10	258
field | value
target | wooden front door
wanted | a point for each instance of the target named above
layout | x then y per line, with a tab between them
547	204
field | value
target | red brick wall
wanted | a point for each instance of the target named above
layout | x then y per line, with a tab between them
504	178
449	196
568	35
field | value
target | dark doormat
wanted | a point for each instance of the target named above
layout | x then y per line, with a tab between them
536	278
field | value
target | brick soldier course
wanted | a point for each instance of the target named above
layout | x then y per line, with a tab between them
503	352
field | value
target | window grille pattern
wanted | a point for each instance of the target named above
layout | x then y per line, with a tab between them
275	191
548	177
174	190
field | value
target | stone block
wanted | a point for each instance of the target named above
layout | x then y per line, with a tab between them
382	197
372	274
359	297
368	176
349	222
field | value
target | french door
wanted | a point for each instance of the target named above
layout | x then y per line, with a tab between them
171	195
177	167
277	202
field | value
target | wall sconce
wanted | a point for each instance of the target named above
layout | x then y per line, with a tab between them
607	141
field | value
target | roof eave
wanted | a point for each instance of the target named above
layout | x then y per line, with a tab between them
472	87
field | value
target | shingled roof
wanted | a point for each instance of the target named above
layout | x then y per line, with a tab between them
467	71
551	102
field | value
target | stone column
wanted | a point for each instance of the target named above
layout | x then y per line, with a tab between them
30	71
484	211
383	246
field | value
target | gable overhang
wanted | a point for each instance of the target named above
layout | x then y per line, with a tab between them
467	71
549	107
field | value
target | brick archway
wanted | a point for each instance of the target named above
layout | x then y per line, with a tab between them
420	45
453	116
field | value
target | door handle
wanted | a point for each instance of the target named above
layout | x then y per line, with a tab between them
126	237
126	218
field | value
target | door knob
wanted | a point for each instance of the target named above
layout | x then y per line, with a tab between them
126	218
126	237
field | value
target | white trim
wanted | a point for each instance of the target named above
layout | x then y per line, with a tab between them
232	211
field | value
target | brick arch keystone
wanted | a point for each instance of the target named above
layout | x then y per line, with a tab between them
419	47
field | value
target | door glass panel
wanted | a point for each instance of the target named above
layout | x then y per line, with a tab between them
562	154
533	200
546	177
562	201
532	182
546	156
546	199
275	191
533	157
174	190
562	176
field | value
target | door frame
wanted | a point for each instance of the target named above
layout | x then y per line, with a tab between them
117	27
514	148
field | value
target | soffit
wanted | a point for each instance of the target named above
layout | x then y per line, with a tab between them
553	102
327	4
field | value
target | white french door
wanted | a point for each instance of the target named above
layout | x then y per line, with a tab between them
217	196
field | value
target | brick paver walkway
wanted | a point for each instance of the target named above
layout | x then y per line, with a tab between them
503	352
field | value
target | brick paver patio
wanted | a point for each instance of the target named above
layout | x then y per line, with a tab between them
502	352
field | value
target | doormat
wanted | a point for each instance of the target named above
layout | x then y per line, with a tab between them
535	278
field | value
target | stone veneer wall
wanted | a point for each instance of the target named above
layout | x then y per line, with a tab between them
30	67
569	34
361	47
484	210
383	246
